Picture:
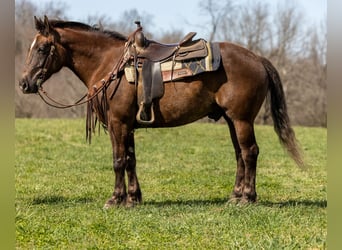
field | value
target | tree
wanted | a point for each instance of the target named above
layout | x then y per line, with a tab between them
216	12
126	24
249	26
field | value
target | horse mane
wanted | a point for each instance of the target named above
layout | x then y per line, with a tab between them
82	26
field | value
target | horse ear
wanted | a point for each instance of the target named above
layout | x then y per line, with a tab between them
43	27
38	24
47	25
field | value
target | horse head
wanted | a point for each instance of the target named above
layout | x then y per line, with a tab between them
44	58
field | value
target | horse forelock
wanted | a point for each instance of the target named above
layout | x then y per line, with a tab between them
85	27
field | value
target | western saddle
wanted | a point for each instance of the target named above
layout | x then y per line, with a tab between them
156	51
149	53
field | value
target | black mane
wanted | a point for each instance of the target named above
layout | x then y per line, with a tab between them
82	26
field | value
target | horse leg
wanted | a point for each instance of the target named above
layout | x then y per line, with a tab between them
249	154
134	193
118	134
240	170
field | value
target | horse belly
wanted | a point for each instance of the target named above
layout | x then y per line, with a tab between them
183	103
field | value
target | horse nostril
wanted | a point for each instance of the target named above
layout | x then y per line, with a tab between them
24	85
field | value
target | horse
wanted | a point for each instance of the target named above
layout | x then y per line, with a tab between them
236	92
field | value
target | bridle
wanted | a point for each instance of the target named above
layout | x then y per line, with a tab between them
113	75
104	83
46	65
42	77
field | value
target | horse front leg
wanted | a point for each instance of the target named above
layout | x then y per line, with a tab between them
134	193
118	135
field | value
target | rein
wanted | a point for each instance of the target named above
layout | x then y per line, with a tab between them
53	103
56	104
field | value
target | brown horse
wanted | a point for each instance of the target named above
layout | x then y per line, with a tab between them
235	92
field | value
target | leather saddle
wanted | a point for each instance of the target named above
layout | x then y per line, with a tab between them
156	51
150	54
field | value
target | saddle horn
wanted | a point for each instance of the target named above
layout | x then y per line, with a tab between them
138	23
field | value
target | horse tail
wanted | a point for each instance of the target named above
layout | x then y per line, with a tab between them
280	116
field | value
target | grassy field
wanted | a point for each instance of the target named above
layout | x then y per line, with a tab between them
186	175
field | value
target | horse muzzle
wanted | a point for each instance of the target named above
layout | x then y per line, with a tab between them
27	87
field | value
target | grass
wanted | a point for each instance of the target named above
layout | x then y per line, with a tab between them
186	175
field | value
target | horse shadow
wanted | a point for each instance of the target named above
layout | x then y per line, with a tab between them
180	202
296	203
225	201
59	199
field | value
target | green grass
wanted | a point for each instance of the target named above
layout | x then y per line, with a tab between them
186	175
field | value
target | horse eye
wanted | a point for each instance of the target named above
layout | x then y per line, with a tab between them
43	49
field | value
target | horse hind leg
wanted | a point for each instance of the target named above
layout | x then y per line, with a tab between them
240	169
247	154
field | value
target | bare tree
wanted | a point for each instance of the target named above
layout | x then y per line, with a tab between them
54	9
217	11
126	21
287	24
172	36
248	26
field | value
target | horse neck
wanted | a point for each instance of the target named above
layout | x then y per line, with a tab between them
90	56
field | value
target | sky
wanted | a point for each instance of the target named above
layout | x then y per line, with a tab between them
175	14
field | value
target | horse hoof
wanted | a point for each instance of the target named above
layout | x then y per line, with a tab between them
132	202
244	202
114	202
241	200
247	200
234	200
107	206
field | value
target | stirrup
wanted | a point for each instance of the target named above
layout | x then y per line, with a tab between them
143	122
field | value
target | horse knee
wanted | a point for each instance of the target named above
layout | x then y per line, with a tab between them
119	165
